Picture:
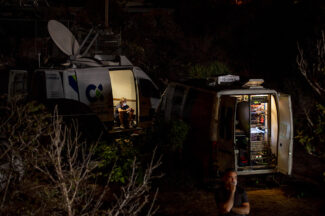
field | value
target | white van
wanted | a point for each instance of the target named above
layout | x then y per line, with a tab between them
86	85
93	91
249	129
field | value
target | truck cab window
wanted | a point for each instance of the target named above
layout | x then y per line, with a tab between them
225	123
191	99
177	102
226	118
148	89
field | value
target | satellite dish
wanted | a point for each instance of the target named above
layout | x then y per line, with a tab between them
63	38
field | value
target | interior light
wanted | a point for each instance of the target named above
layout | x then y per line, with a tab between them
263	95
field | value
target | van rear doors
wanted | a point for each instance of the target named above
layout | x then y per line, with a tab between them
285	142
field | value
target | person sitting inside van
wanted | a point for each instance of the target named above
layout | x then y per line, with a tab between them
124	114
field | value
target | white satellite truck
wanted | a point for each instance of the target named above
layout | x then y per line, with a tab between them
248	128
89	86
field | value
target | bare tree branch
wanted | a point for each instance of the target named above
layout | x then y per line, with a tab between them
66	165
310	72
135	196
310	122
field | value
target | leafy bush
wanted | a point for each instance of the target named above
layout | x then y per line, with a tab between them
177	134
313	137
169	135
117	157
215	68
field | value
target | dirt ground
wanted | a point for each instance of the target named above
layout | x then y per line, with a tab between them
273	201
301	194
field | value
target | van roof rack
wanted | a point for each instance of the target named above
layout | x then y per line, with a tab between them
224	79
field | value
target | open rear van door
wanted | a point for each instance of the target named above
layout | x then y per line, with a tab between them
285	142
225	138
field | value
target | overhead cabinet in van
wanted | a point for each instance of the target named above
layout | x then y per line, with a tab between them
248	129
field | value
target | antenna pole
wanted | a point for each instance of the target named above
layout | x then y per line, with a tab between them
91	43
106	13
84	41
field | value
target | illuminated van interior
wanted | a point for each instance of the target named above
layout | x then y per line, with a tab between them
123	85
256	131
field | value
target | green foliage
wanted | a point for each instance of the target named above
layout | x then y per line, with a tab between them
169	135
215	68
320	126
301	195
306	140
313	138
177	133
117	157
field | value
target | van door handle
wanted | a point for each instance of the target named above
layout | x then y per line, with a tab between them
280	144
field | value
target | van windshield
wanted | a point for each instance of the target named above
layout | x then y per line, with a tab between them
148	89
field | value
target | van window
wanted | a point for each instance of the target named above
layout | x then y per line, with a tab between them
38	88
189	104
177	102
225	124
148	89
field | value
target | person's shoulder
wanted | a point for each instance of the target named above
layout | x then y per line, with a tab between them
242	193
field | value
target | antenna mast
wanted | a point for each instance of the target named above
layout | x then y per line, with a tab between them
106	13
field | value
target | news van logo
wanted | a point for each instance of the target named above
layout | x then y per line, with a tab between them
73	83
94	92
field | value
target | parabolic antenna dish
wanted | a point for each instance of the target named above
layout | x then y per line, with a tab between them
63	38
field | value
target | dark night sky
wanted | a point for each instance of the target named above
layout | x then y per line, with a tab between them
256	39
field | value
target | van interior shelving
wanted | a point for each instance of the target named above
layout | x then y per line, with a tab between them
252	133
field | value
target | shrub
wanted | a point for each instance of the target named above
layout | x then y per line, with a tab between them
58	170
116	158
313	137
213	69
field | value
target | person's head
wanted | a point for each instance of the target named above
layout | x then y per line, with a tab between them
123	101
230	177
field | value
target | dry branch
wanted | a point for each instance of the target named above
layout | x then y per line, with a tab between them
135	195
65	164
311	71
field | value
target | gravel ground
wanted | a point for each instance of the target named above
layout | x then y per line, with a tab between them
295	200
302	194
